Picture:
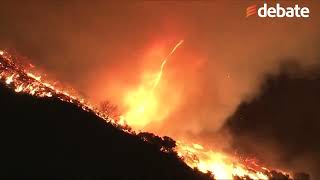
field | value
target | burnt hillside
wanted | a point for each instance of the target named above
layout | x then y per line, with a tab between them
45	138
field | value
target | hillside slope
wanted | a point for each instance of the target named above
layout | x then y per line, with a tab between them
46	138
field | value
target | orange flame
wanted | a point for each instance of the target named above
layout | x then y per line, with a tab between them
144	102
223	166
24	81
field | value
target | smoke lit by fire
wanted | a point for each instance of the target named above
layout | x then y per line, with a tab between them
142	107
143	102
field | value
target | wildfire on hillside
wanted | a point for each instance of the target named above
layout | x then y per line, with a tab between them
22	79
223	166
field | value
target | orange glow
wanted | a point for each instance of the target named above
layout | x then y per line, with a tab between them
23	80
144	102
144	106
223	166
159	75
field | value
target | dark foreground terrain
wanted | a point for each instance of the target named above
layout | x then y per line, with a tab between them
45	138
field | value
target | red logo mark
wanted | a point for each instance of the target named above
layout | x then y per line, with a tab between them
251	10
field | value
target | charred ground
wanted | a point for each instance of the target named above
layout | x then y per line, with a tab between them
46	138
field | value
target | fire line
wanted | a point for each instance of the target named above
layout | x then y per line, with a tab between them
223	166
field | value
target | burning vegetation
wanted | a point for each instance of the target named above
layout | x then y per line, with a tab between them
22	79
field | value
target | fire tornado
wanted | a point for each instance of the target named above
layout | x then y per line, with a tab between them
143	102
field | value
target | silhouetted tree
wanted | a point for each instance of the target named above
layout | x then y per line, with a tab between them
165	144
109	109
168	143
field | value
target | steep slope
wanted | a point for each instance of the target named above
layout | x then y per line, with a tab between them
48	138
16	75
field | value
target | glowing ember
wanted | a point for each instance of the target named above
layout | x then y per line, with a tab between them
9	79
143	105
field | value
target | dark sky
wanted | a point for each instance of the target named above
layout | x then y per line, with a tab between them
100	48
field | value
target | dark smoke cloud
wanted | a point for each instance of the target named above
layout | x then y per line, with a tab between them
281	126
98	45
